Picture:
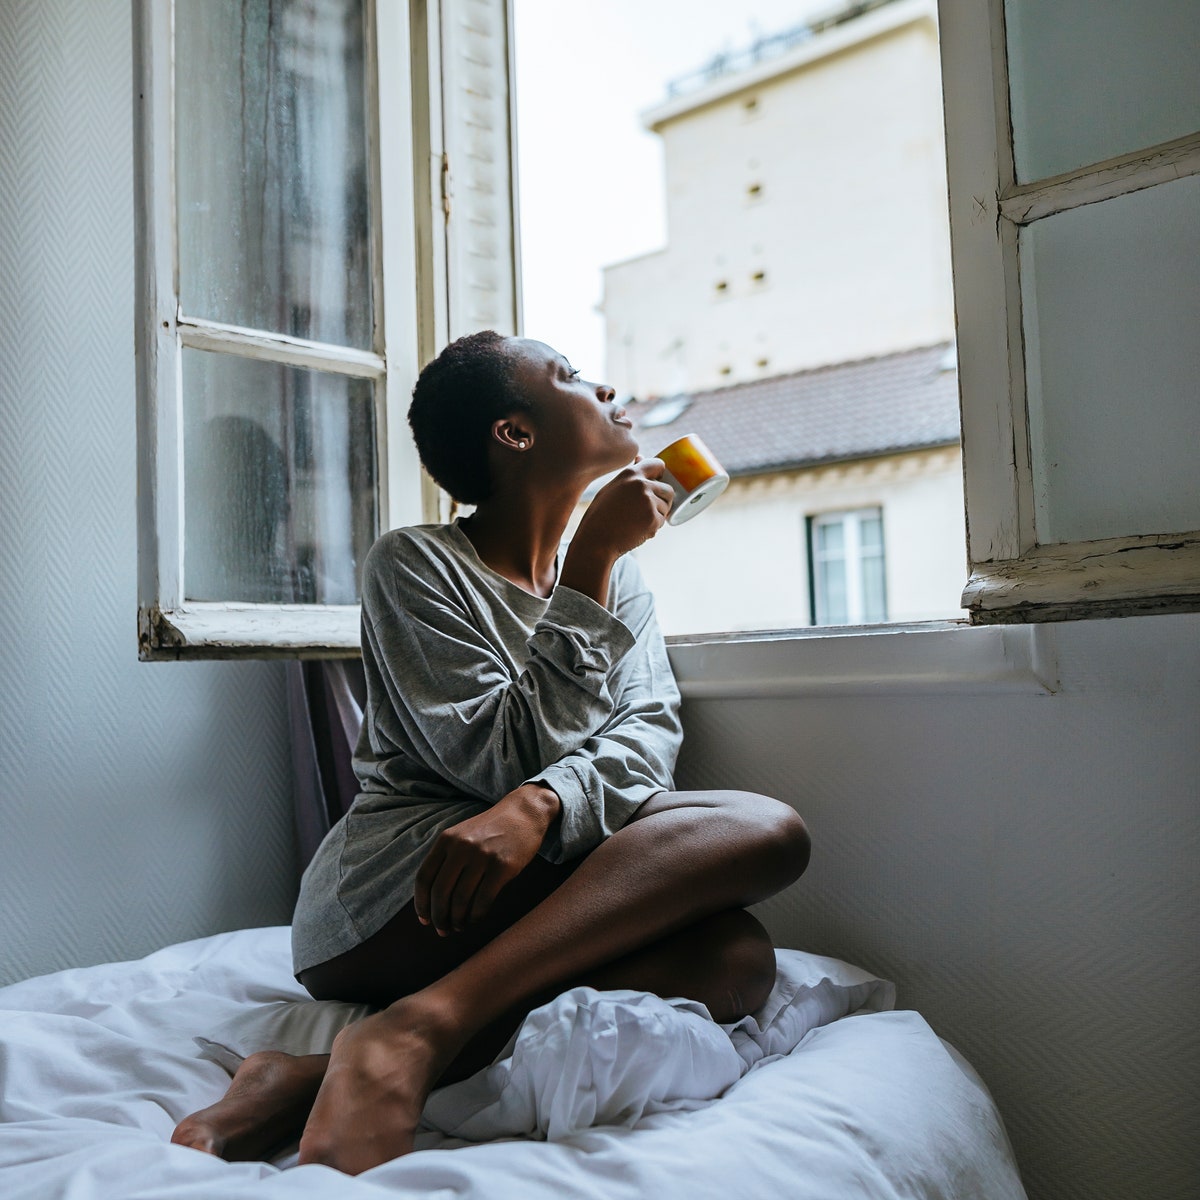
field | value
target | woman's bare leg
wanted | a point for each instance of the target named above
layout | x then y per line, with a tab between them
725	961
685	857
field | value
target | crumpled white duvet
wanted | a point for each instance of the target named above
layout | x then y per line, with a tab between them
605	1094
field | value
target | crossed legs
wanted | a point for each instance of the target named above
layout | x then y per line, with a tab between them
655	907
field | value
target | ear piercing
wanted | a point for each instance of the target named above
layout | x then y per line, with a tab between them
521	445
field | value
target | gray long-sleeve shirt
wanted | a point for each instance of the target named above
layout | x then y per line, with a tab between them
475	686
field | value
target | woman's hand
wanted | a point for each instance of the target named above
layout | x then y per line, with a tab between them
628	510
470	862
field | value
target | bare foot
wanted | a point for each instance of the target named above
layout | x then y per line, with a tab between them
265	1107
380	1073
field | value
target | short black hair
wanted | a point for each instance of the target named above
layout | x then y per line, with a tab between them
458	395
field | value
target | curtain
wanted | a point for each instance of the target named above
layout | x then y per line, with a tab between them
325	705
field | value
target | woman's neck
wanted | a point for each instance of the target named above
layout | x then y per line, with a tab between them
518	536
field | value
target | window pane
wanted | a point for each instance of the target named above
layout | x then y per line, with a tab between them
279	481
272	166
873	589
831	593
831	537
1090	81
870	534
1112	309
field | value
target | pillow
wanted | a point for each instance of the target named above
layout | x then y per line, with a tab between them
810	990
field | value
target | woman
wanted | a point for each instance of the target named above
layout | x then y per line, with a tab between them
517	832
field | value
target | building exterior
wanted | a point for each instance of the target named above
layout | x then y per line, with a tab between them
806	213
801	321
845	501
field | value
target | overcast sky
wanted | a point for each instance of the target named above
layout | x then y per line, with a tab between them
590	177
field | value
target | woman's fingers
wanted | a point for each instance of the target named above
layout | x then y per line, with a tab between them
490	887
426	874
441	896
461	901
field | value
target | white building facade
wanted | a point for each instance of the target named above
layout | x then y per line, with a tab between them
806	215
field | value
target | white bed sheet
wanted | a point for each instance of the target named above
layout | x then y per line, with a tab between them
97	1065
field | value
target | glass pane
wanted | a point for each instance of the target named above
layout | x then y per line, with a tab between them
279	481
272	166
1111	301
1090	81
874	595
831	593
870	534
831	537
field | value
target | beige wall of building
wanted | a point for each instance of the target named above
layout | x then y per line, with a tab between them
841	253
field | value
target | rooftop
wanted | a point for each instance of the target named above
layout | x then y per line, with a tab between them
862	409
734	72
765	48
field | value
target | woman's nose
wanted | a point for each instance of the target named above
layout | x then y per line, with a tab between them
606	394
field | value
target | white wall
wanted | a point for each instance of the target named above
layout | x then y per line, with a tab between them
850	227
139	804
1024	866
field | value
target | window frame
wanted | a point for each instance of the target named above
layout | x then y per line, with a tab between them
848	518
170	627
1013	578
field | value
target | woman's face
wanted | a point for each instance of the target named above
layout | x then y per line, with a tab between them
575	423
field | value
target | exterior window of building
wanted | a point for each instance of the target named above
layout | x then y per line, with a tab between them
848	577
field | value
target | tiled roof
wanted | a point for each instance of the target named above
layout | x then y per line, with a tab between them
875	406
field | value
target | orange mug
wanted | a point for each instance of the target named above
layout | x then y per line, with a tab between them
695	476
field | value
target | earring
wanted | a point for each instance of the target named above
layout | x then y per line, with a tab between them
522	445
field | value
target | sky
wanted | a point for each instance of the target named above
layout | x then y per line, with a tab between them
590	178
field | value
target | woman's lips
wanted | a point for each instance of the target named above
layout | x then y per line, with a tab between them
621	419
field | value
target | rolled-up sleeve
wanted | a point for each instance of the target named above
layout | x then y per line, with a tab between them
467	714
631	757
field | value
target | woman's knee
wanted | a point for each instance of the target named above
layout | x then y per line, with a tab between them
776	830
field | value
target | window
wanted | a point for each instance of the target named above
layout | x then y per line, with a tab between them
813	375
847	572
1075	212
297	171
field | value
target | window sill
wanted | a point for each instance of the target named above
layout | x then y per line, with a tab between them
199	631
933	657
1116	577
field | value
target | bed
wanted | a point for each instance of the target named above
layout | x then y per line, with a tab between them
828	1091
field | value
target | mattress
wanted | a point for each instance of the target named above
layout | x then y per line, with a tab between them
828	1091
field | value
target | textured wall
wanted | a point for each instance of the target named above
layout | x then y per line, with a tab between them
1025	868
139	804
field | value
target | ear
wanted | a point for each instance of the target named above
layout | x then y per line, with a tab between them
513	433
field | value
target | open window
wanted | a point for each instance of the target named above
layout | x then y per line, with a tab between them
325	197
1075	218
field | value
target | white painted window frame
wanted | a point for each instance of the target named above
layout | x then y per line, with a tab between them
168	626
851	523
1013	577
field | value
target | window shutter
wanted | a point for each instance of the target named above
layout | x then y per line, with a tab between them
479	167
